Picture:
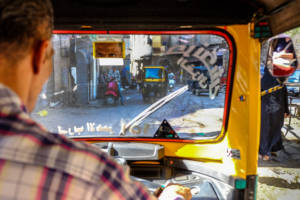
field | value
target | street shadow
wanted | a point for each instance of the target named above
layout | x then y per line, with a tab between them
290	160
205	94
278	182
275	163
289	129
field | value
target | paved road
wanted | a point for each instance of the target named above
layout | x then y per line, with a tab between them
187	114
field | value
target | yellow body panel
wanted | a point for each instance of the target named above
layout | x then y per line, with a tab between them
158	67
154	80
244	121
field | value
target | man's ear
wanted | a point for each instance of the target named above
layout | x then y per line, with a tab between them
39	55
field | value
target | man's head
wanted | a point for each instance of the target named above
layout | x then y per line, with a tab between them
25	46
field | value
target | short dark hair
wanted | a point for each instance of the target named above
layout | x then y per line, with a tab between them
23	22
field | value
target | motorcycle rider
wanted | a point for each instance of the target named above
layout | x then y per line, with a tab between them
171	78
115	74
115	87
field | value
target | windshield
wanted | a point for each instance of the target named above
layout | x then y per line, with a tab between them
89	94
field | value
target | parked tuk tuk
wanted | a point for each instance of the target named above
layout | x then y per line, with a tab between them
155	82
196	87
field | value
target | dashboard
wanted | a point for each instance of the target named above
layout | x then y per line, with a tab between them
149	166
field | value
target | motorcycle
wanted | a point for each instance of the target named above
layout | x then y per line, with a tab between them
172	81
112	93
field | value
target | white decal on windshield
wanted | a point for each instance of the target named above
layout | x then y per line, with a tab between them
78	130
202	79
90	127
101	128
208	57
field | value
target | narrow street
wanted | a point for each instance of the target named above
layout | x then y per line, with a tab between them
187	114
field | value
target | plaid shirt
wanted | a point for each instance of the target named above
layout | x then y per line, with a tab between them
36	164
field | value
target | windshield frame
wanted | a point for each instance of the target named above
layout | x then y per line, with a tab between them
222	32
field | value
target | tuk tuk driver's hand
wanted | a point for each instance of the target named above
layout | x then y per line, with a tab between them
175	191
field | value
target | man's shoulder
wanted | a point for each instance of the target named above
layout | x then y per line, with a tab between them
86	161
29	143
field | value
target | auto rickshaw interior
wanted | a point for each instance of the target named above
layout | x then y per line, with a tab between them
206	140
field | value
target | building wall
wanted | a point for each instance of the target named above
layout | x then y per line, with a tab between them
61	62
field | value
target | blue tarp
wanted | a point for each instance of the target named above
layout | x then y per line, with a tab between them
154	73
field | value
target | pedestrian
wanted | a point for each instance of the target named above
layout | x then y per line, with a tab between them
120	93
115	73
274	106
104	78
34	163
125	76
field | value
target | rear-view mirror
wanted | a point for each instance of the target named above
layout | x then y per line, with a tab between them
281	59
